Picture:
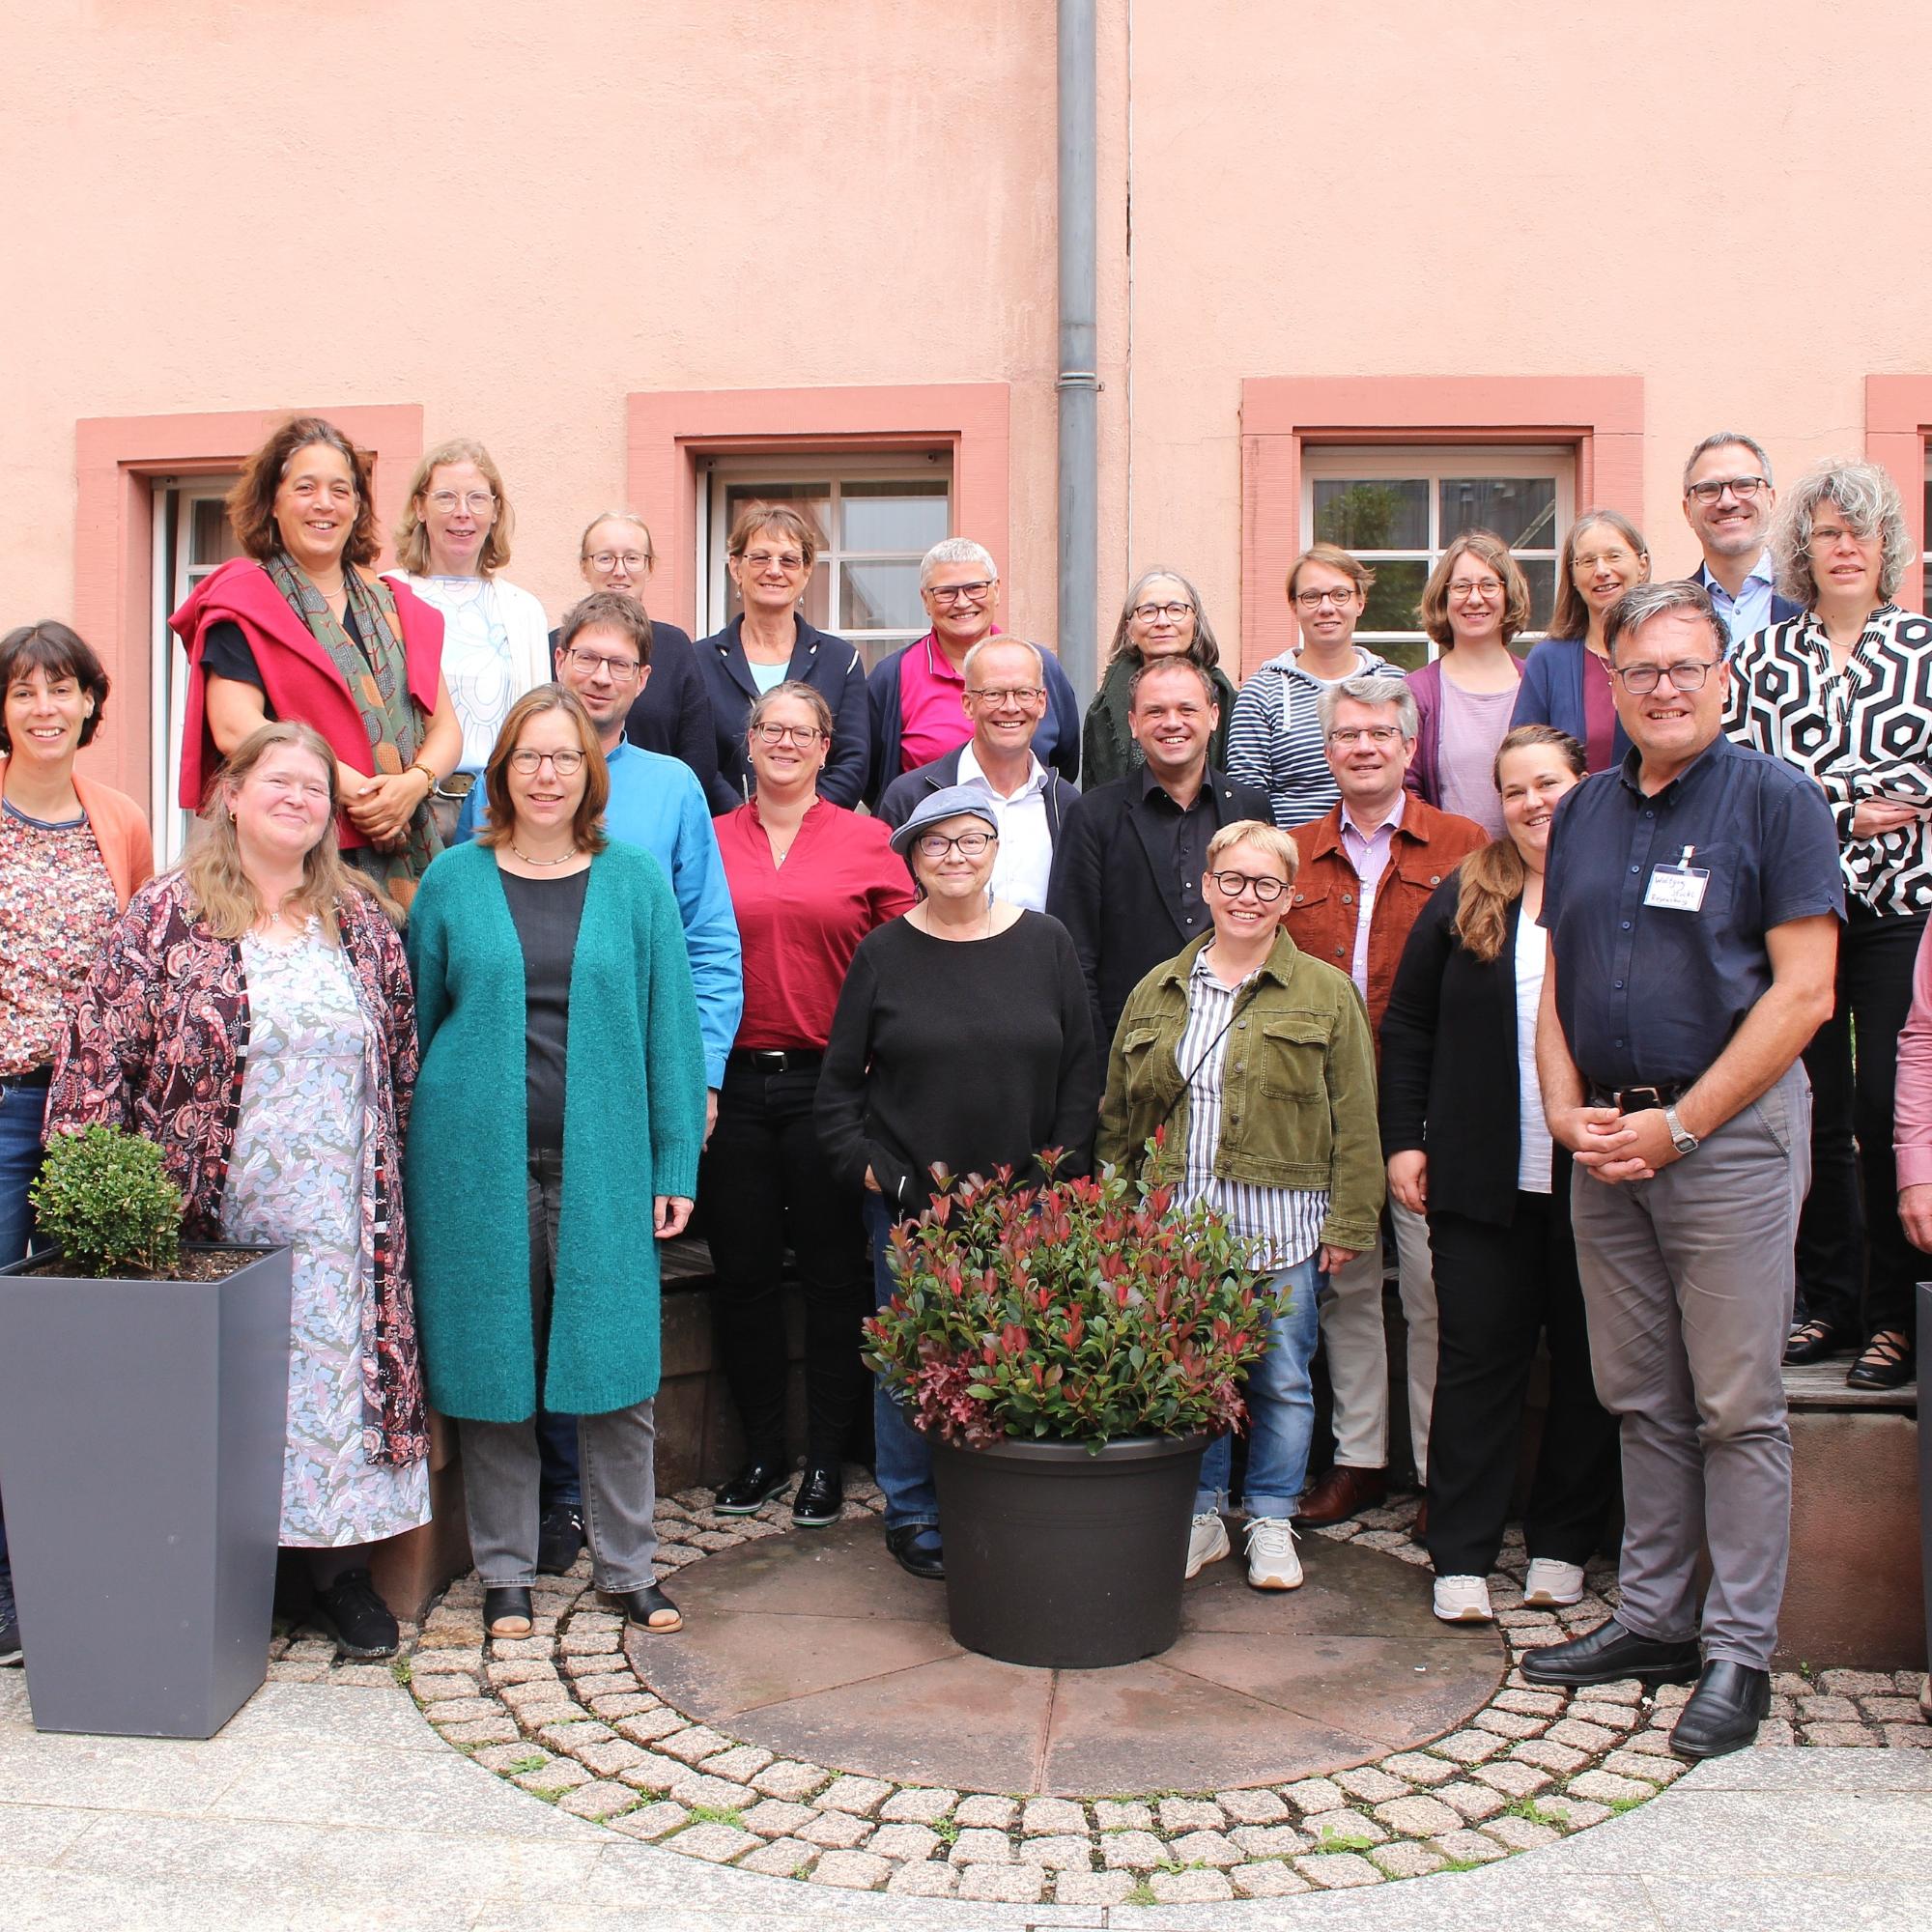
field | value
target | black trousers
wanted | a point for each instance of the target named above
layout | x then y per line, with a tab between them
764	1182
1855	1269
1496	1291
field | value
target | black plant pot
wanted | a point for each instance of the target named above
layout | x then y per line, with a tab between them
1065	1558
141	1436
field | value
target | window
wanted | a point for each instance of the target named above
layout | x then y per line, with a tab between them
1397	510
1926	537
875	518
192	535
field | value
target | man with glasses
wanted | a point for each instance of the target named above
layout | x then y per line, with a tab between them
918	692
1004	698
1692	899
1368	867
1727	503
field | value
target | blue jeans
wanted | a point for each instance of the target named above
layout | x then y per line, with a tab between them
901	1460
21	1111
562	1477
1281	1408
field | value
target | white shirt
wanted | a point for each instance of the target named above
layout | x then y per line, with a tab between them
1025	860
1533	1155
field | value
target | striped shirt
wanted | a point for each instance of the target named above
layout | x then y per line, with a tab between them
1275	739
1282	1225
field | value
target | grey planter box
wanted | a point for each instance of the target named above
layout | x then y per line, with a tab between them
141	1436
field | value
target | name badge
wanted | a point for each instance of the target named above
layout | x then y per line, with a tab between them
1678	888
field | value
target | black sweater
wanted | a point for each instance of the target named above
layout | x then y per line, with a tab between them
977	1053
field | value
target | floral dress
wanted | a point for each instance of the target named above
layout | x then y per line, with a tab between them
300	1168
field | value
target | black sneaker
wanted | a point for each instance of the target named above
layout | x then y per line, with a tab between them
10	1619
351	1611
559	1537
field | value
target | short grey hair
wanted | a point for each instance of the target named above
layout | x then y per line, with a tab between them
1642	602
1005	637
1371	687
1717	439
1870	504
958	549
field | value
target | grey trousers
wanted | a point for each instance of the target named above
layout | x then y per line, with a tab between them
1688	1282
617	1452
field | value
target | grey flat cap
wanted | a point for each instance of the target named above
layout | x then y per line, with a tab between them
949	802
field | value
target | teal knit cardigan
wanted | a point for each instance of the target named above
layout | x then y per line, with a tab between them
633	1126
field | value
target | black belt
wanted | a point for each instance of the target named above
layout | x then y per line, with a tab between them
1667	1093
778	1060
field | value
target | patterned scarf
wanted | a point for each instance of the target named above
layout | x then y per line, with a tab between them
377	675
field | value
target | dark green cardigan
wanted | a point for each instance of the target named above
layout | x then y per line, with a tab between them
1107	748
632	1124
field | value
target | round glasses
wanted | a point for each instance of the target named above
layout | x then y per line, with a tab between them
805	736
1148	614
479	502
1265	886
633	560
565	764
1313	600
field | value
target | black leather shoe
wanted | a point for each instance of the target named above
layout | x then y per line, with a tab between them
650	1609
753	1485
1730	1702
506	1612
918	1550
821	1496
1886	1362
1609	1653
1811	1342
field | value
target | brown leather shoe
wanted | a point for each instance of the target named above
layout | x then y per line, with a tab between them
1343	1491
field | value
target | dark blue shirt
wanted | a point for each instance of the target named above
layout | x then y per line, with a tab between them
1649	995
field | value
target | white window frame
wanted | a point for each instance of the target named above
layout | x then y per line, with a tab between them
716	475
1364	462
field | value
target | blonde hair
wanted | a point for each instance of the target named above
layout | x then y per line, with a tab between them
1264	838
211	867
411	537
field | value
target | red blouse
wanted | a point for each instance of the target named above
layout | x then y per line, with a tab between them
800	923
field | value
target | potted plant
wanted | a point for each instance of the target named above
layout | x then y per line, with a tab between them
1070	1347
143	1398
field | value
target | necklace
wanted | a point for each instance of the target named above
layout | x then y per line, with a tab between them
528	861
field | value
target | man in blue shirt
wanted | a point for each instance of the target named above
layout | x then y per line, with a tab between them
1692	899
1727	502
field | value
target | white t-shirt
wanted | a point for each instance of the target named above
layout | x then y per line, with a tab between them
1532	958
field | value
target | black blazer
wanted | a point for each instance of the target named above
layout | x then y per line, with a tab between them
1121	906
832	669
1449	1063
672	714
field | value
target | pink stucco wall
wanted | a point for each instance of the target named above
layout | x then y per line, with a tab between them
514	220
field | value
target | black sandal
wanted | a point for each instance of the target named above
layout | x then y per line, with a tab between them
506	1612
1811	1342
1885	1363
642	1607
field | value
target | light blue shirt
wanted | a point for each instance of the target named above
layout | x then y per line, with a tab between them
657	804
1749	612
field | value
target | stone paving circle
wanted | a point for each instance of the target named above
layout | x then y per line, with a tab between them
565	1715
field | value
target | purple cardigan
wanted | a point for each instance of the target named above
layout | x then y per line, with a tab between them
1423	775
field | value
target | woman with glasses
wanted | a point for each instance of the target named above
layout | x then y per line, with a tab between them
1476	600
1568	681
1844	693
1161	617
809	881
1256	1059
554	1144
453	539
770	555
962	1040
670	712
1275	740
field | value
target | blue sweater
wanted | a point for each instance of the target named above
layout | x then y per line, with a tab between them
632	1124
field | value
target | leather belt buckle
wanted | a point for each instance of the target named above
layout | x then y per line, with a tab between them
771	1060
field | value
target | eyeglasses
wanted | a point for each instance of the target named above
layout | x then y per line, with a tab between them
1232	885
1688	674
1148	614
1743	488
479	502
1831	536
805	736
788	561
565	764
1467	589
1599	558
621	670
967	844
1372	734
952	593
999	697
1313	600
633	560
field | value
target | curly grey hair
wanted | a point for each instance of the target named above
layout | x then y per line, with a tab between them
1868	501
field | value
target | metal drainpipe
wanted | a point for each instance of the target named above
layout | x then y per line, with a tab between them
1078	382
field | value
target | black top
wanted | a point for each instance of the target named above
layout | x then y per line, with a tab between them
1650	995
672	713
977	1053
547	912
226	652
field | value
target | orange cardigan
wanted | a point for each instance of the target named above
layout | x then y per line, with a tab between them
120	830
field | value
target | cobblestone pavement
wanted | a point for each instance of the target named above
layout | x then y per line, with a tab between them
565	1715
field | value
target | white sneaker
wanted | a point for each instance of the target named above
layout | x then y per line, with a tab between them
1207	1541
1463	1600
1272	1564
1550	1583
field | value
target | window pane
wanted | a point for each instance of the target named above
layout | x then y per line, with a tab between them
1522	510
1394	596
1372	515
890	515
880	597
1541	574
811	501
211	538
1405	654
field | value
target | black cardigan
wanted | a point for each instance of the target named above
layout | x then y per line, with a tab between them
1449	1068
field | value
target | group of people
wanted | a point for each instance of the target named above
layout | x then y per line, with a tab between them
611	923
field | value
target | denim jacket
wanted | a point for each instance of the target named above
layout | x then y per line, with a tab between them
1299	1108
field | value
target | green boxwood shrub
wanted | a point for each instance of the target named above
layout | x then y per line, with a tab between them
104	1200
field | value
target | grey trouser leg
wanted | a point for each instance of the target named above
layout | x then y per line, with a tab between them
499	1499
618	1453
1688	1280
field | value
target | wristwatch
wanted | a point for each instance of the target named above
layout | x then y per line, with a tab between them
1680	1136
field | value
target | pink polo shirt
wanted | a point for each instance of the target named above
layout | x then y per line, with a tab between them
932	716
1912	1102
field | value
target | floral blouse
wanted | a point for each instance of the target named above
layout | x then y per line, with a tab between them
56	904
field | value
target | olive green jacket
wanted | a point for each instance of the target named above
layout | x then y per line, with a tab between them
1299	1106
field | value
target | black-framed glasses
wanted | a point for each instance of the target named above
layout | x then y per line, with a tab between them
621	669
1312	601
1743	488
967	844
804	736
565	764
951	594
1174	613
1265	886
1686	674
